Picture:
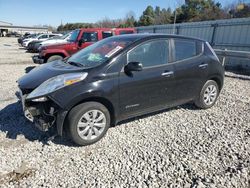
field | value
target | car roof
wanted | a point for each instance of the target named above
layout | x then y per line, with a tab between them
95	29
42	34
145	36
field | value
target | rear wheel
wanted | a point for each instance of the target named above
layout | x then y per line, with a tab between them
208	95
54	57
88	123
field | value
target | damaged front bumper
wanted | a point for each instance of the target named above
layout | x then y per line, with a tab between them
26	112
37	59
46	115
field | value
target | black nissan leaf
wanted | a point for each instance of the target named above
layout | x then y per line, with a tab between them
119	78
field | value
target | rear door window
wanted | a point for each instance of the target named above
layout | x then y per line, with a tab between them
106	34
90	36
184	49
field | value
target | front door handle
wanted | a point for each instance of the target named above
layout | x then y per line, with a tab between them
167	73
203	66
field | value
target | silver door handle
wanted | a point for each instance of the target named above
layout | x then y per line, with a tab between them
169	73
203	65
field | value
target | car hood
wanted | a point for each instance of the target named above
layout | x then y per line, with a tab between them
29	39
44	72
53	41
58	45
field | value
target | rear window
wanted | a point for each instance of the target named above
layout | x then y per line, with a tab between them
185	49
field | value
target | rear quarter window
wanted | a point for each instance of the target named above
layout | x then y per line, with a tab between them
184	49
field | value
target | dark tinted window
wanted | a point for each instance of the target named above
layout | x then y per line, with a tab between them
126	32
106	34
52	36
43	37
90	36
150	53
185	49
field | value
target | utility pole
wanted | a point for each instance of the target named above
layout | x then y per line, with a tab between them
174	21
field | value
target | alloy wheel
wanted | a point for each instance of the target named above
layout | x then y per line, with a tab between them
210	95
91	125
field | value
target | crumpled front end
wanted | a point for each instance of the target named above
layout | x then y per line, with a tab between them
43	113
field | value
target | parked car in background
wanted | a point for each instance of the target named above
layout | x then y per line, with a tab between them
123	31
119	78
13	34
35	45
25	36
79	39
61	39
41	37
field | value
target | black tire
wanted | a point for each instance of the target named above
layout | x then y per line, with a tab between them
54	57
200	102
75	115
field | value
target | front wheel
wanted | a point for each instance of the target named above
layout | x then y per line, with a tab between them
208	95
54	57
88	123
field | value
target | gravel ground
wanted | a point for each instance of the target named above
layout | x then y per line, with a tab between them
12	53
179	147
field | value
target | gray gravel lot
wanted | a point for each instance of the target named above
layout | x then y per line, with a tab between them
179	147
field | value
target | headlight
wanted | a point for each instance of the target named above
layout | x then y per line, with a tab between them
56	83
41	48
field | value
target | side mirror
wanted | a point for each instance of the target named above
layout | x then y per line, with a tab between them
133	66
80	42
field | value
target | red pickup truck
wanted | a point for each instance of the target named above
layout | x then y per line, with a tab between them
78	40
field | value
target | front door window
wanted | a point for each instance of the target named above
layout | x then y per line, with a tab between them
151	53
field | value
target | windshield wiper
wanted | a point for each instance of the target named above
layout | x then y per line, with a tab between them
75	64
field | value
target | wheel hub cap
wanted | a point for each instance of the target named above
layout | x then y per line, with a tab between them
210	95
91	124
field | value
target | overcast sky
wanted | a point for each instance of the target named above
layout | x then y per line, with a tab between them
35	12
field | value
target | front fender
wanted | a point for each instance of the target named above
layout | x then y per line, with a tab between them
60	119
62	113
50	52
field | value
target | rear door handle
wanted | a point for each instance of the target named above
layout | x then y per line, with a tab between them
167	73
203	66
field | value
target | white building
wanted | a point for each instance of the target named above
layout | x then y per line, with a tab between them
6	27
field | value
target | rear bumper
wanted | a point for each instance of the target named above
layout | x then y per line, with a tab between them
37	59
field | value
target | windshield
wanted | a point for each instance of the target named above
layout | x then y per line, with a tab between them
32	36
66	35
56	37
100	52
74	35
